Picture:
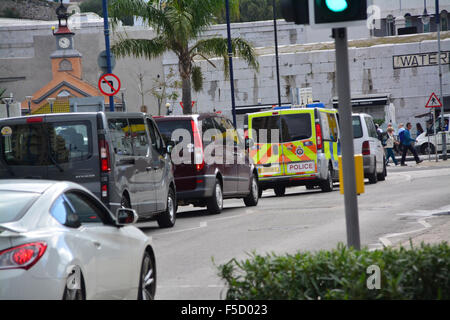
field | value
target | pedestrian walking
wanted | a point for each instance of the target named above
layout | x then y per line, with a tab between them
399	148
407	144
389	147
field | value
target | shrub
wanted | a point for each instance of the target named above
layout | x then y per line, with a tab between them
416	273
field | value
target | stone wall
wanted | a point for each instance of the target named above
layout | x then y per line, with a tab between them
30	9
371	73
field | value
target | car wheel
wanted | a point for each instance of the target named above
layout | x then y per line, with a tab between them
424	148
260	192
310	187
279	191
382	176
147	279
252	199
215	203
327	185
168	218
77	293
373	177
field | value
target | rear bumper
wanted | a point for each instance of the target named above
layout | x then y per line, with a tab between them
204	186
369	164
289	181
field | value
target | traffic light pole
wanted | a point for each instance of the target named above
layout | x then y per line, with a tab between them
107	45
345	117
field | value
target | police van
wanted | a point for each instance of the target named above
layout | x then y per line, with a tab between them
295	147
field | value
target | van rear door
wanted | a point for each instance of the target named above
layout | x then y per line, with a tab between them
264	129
298	142
56	147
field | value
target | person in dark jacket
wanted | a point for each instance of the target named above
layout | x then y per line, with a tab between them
407	144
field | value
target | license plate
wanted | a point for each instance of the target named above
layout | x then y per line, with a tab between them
269	170
299	167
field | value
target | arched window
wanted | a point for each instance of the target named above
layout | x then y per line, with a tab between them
65	65
64	94
444	20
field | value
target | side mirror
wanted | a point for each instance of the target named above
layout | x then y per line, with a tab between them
249	143
126	216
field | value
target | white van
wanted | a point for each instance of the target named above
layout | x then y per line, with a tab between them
366	142
427	143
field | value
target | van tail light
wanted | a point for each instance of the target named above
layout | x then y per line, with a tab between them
104	190
366	148
105	158
199	160
319	138
35	120
22	257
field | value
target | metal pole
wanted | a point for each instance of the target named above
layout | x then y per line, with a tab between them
435	138
230	58
348	161
7	108
444	133
276	51
107	45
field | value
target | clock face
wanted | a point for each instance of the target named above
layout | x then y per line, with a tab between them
64	42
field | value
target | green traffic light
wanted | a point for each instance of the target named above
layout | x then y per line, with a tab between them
337	5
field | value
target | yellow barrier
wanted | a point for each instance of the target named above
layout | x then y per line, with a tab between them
359	172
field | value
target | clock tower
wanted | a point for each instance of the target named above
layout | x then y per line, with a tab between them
65	58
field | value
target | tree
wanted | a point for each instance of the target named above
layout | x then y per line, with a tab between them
96	7
254	10
178	24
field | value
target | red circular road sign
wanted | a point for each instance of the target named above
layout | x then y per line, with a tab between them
109	84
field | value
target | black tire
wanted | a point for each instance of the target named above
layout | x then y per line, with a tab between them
424	149
260	192
168	218
327	185
147	279
382	176
310	187
252	199
75	294
279	191
373	177
214	204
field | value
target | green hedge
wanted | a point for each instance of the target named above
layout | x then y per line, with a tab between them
416	273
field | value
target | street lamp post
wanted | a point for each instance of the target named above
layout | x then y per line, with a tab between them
8	101
276	51
122	96
230	58
158	92
29	103
51	101
444	133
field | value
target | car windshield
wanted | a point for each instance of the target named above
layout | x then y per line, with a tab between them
43	144
357	128
13	204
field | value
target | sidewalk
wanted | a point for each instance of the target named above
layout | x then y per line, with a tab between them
438	232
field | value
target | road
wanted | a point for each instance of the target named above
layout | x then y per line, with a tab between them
302	220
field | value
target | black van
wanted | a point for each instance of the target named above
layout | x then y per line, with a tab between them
120	157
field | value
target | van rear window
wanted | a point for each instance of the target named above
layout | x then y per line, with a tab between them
167	129
43	144
295	126
357	128
267	129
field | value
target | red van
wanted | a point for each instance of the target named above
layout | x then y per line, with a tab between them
199	143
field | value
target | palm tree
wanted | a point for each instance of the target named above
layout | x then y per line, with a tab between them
178	25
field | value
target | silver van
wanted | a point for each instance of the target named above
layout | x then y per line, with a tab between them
120	157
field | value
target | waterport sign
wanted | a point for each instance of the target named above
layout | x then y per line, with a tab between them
420	60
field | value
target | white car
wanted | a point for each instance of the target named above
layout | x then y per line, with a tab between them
366	142
58	241
427	143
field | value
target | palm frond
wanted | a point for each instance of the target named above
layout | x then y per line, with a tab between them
140	48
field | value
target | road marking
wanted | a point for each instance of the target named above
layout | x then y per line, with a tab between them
385	242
